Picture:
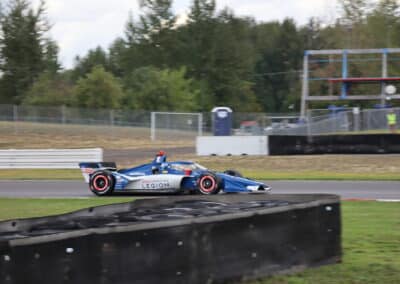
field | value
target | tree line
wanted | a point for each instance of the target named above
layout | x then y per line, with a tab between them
214	58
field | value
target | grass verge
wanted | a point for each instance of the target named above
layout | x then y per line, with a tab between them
371	246
371	239
40	174
321	175
15	208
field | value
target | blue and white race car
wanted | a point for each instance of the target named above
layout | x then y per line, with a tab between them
161	176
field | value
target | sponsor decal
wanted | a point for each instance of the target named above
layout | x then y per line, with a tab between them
136	174
162	184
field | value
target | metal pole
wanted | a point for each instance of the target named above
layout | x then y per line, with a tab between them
304	94
200	124
344	74
63	111
309	138
112	117
384	75
356	119
112	122
15	118
15	113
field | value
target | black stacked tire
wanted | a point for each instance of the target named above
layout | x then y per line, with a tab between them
102	183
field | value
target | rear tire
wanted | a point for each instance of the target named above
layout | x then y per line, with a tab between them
101	183
208	184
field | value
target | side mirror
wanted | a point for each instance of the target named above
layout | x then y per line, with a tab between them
155	170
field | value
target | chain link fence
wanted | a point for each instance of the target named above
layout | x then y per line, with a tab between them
73	121
343	122
65	115
172	125
61	121
177	126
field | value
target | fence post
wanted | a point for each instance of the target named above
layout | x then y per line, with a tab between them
200	124
356	118
15	118
112	122
309	138
15	113
112	117
153	126
63	111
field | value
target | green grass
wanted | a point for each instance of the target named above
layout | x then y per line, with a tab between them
11	208
321	175
40	174
371	246
371	239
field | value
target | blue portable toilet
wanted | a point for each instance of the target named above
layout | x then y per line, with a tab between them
222	121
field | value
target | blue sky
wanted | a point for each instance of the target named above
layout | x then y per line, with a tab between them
79	25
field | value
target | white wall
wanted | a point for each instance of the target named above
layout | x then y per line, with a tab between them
48	159
232	145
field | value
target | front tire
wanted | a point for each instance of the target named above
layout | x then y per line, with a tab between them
208	184
101	183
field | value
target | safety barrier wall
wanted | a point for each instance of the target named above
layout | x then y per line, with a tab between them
49	158
335	144
184	240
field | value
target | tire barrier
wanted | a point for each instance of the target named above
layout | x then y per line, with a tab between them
335	144
188	239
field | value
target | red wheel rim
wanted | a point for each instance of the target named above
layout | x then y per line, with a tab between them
207	184
100	183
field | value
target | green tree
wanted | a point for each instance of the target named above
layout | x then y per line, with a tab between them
197	41
353	17
49	90
354	11
99	89
135	54
219	54
200	37
231	77
117	57
94	57
25	49
277	83
149	88
154	32
383	24
312	35
50	56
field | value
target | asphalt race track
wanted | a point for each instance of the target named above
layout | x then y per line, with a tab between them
346	189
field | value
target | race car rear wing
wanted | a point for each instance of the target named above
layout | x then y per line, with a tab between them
89	168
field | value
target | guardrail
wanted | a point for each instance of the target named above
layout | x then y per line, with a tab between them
48	158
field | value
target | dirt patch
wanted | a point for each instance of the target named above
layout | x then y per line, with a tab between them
141	155
368	164
25	135
347	164
132	145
